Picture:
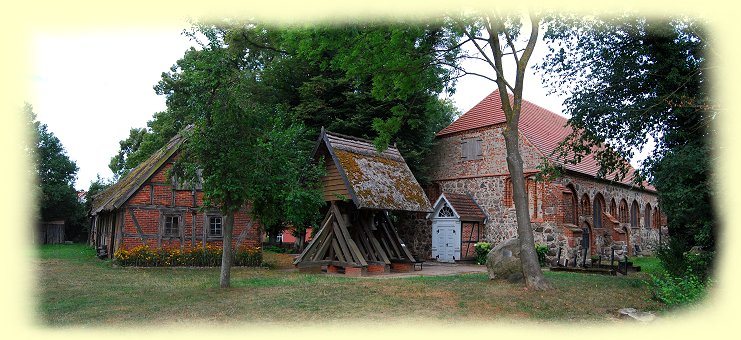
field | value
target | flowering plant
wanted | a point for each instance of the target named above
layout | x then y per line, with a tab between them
203	255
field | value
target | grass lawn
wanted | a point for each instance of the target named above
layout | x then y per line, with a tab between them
75	288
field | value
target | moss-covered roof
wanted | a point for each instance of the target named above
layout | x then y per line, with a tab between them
116	195
376	180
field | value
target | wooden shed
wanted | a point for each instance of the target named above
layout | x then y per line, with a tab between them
51	232
361	186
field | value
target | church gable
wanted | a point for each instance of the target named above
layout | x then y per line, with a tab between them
450	154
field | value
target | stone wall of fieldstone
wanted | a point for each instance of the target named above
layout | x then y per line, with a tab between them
446	161
485	179
416	232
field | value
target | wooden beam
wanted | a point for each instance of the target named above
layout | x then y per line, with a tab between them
401	243
365	245
342	242
314	242
362	234
337	251
193	216
119	234
377	246
391	253
351	244
241	236
322	251
390	239
138	227
381	254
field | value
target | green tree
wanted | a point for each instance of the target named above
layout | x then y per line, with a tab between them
55	174
142	142
120	164
632	80
378	81
373	80
246	151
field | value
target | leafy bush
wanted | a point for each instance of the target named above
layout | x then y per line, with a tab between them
276	249
678	260
198	256
482	249
541	250
675	291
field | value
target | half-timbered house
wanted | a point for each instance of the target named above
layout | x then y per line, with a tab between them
149	207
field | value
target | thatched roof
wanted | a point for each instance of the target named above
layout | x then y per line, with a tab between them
374	180
116	195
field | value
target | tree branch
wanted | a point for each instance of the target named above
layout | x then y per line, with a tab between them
259	46
496	51
458	68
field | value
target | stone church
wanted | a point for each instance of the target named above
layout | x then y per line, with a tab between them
472	193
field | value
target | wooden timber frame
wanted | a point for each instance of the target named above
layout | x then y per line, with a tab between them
361	186
355	238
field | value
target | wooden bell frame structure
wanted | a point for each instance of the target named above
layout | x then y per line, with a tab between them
361	186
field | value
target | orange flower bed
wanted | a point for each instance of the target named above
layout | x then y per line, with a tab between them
198	256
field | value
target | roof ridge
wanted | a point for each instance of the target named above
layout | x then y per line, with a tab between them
139	174
357	139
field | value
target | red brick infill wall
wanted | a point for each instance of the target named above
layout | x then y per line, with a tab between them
157	198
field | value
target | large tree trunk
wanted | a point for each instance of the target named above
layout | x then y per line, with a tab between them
300	240
534	278
226	256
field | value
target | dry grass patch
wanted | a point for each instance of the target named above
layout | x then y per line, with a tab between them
75	288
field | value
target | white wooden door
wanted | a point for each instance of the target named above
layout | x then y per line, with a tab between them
446	241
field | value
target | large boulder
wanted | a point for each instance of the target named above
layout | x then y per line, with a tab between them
503	261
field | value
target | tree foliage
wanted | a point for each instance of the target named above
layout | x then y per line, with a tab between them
630	81
142	142
244	150
54	170
342	78
55	173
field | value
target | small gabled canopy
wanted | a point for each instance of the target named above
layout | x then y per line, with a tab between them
464	207
116	195
374	180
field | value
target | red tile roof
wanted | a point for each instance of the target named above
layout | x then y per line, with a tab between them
543	128
465	206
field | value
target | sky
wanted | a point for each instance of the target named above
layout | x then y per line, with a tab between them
91	87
